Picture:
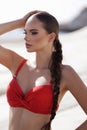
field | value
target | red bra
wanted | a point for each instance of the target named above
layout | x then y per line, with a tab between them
39	99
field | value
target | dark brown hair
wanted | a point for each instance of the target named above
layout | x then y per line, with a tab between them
51	25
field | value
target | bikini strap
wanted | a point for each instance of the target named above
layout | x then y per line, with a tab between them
19	68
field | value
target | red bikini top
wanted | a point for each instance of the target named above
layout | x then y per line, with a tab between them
39	99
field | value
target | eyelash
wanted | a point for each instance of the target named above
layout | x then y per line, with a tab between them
33	33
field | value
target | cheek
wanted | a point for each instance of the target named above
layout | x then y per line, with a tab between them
40	39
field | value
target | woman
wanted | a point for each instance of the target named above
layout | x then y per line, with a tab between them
36	89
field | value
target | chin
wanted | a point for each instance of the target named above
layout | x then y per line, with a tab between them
30	51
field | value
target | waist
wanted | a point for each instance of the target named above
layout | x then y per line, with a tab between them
21	119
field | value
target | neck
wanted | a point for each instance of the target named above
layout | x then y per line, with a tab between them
43	59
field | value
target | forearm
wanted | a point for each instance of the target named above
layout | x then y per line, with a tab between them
6	27
83	126
9	26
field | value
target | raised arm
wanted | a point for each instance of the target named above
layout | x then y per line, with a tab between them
8	58
6	27
19	23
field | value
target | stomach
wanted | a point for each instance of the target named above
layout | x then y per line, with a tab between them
23	119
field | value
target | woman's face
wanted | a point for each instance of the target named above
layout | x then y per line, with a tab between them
36	36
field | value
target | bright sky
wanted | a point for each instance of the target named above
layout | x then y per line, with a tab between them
11	9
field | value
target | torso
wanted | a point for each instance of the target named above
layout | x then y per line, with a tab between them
20	118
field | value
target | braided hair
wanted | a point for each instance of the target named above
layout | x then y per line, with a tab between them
50	24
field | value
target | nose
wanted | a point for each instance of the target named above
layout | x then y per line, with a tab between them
26	38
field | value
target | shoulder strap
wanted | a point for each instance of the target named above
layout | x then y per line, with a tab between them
19	67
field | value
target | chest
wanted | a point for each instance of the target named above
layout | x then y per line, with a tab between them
28	79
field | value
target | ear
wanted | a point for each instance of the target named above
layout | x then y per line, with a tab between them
52	37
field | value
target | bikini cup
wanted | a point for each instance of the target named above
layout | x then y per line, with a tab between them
38	99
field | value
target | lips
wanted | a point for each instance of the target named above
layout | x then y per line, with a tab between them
28	45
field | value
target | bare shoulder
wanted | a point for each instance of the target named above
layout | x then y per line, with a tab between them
71	76
17	60
75	85
67	69
9	58
67	73
64	78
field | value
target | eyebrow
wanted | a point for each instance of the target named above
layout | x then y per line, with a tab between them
31	30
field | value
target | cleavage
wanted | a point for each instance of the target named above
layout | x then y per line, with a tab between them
32	79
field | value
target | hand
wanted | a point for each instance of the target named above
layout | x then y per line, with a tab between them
24	19
19	23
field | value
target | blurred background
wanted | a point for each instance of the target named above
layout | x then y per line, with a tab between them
74	50
62	9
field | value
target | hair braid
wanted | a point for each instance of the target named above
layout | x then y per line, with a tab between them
55	70
50	24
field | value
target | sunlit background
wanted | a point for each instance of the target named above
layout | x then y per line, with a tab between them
74	48
62	9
